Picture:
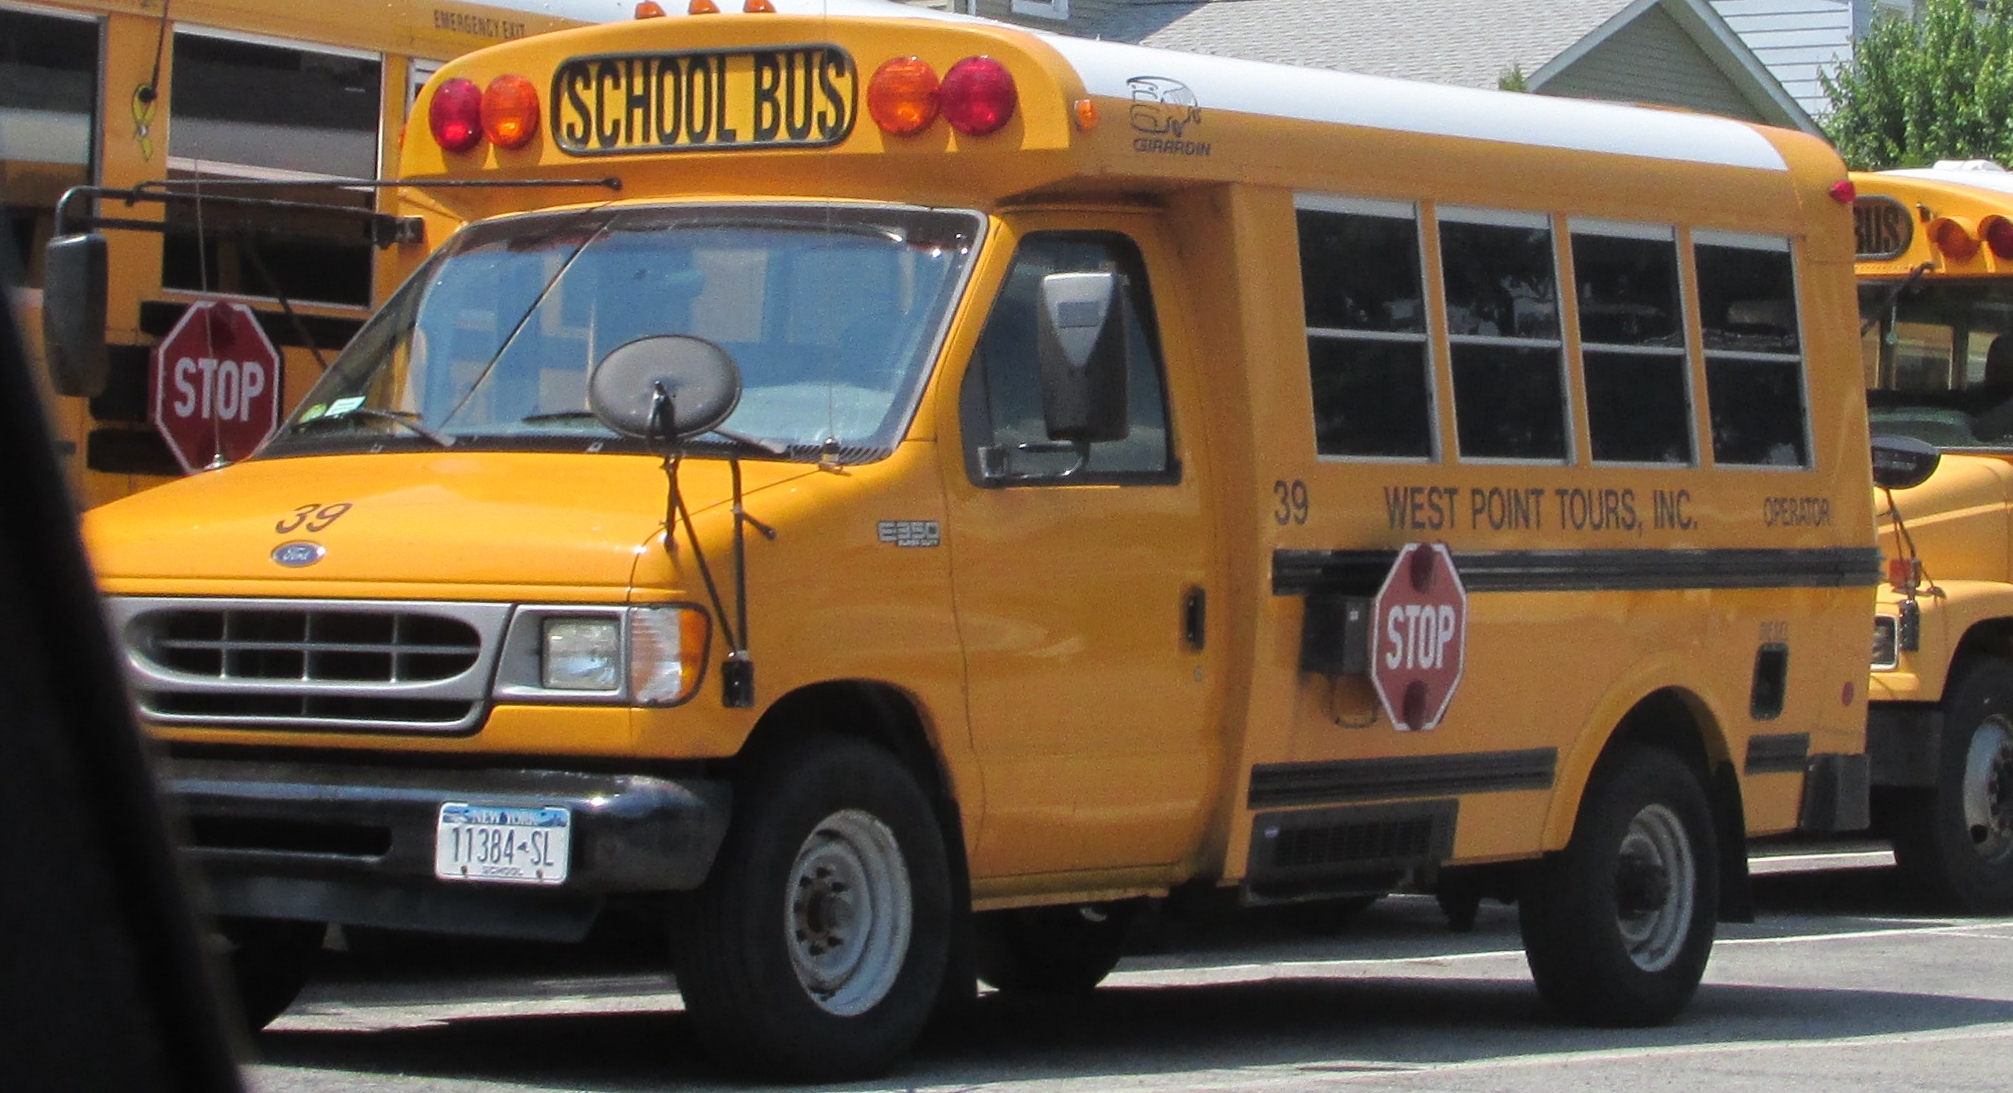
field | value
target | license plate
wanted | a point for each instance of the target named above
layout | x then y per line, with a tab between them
498	843
792	97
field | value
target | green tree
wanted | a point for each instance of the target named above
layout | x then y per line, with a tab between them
1939	86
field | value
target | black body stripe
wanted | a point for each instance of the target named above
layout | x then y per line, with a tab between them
1777	753
1361	572
1280	785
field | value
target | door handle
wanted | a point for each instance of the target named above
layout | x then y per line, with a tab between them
1194	618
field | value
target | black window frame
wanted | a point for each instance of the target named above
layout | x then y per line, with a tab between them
1323	339
1679	353
1719	359
1508	219
975	420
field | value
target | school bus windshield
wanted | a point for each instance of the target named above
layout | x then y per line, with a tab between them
1939	361
832	314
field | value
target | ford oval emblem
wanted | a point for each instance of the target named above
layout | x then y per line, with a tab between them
298	553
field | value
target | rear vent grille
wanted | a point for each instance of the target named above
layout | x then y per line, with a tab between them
1313	845
1354	844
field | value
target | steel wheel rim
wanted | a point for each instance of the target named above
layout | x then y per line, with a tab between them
1988	789
848	912
1656	888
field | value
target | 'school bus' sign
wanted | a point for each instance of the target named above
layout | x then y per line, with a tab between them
797	96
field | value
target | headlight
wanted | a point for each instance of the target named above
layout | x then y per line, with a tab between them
667	653
603	655
581	655
1886	648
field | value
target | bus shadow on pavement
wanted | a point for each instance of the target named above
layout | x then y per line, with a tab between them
1306	1024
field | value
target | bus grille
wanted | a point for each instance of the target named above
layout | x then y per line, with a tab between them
310	664
344	646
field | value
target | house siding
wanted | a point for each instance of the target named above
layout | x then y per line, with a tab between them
1652	60
1795	39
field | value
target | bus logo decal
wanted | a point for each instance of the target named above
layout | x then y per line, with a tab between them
790	97
1162	111
299	553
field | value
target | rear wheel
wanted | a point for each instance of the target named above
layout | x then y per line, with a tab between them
269	961
1051	950
1955	841
816	949
1618	925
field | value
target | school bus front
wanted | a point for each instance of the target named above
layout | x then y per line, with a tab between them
861	470
1936	299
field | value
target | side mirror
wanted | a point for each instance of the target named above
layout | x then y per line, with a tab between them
665	389
1085	356
73	314
1902	462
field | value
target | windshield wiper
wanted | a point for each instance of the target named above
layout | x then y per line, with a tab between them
405	418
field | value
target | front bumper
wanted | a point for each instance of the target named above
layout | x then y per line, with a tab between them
355	844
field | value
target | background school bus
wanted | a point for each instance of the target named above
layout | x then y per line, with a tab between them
116	93
1060	597
1936	293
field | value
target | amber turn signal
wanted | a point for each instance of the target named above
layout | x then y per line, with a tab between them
510	112
902	96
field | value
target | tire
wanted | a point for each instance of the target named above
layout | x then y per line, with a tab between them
1954	843
816	949
269	962
1618	925
1051	950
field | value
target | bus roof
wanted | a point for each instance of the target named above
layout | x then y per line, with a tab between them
1085	120
1991	177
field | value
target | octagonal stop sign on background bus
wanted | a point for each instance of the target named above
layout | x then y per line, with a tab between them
216	385
1419	629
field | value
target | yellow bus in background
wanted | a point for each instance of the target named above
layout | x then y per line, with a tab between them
893	494
116	93
1936	294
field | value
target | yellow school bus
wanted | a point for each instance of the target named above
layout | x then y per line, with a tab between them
118	93
897	493
1936	298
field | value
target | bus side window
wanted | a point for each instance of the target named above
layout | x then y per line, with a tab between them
1753	350
1632	345
1366	328
1503	332
1000	402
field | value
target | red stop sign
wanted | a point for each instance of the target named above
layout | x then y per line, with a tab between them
216	385
1419	628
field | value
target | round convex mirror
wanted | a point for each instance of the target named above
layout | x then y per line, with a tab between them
700	379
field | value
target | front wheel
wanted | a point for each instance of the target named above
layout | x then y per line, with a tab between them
1955	841
1618	925
816	949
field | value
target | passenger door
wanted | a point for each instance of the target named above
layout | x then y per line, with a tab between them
1077	586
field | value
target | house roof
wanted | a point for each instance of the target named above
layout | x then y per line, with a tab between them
1467	43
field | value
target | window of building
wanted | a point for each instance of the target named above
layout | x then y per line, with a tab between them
1006	435
1503	332
1632	343
48	102
1753	349
1042	9
254	108
1366	328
